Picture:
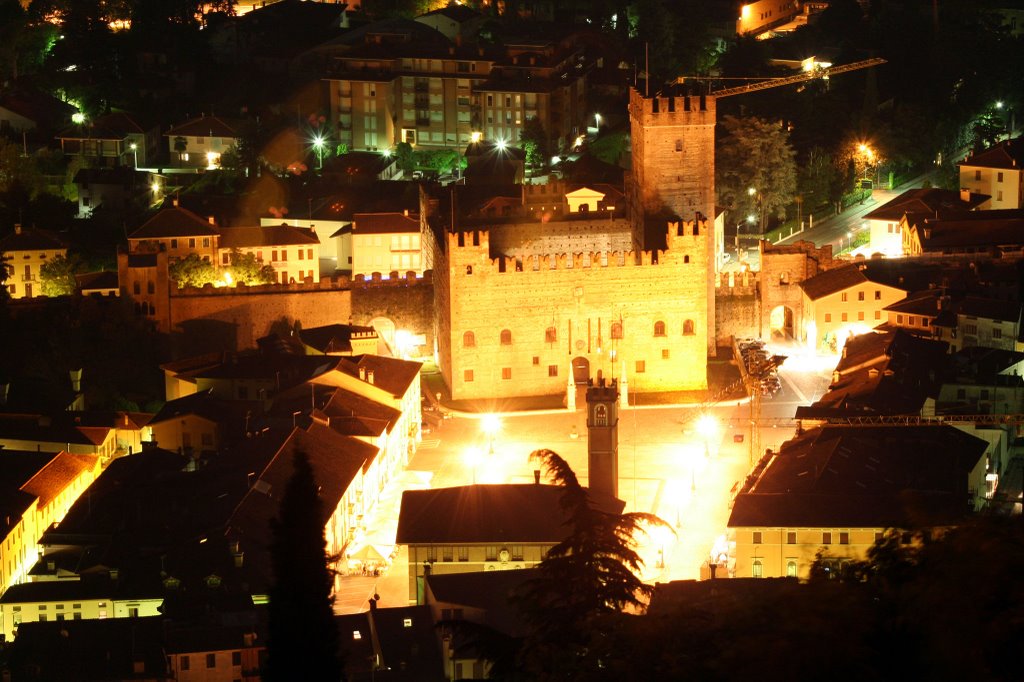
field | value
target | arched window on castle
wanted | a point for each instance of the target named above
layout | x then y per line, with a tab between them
506	337
688	328
468	340
659	328
550	335
616	330
600	415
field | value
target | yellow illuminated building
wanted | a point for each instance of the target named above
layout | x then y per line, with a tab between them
24	252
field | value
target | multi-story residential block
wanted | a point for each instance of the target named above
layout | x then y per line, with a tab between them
116	188
979	321
884	221
916	313
23	253
411	84
993	233
385	243
834	491
845	301
998	172
178	232
294	252
200	142
758	16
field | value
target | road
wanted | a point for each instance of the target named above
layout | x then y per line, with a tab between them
665	468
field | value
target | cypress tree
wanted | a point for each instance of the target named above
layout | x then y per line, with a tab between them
303	638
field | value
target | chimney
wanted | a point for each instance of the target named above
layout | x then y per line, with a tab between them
405	212
369	376
175	202
76	379
362	374
210	219
536	476
17	228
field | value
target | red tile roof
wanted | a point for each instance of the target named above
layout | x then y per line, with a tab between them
269	235
1008	154
206	126
174	222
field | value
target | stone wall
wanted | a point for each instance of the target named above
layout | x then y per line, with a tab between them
782	269
737	306
407	302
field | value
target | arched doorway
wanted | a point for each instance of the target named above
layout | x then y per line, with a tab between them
580	370
780	323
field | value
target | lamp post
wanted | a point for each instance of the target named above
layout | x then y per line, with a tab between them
318	144
135	151
491	424
597	121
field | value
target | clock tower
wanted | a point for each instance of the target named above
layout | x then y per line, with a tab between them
603	436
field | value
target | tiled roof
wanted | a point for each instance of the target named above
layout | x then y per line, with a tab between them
174	222
918	303
115	126
832	281
391	374
924	200
863	477
990	309
30	239
333	338
384	223
58	474
95	281
57	591
206	126
269	235
1008	154
986	229
404	638
201	404
488	513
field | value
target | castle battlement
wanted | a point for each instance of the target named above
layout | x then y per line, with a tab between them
736	283
667	110
341	283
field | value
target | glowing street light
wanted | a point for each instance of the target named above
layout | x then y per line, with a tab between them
475	136
490	424
135	150
78	118
597	121
318	145
751	191
999	104
500	144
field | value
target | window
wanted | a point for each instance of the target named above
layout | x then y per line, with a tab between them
977	175
309	254
236	658
407	622
860	315
536	359
679	145
224	258
616	330
659	328
878	314
463	553
664	353
845	317
999	195
999	176
826	538
284	254
151	287
757	570
828	317
961	394
302	254
757	537
552	370
878	294
191	242
174	243
506	373
640	367
206	241
688	328
467	376
447	554
860	295
970	329
468	340
911	320
506	337
550	335
790	568
137	287
186	664
997	333
356	634
844	538
791	538
273	255
842	297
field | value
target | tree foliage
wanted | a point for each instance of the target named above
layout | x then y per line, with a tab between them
534	141
303	642
192	271
755	153
57	275
590	575
246	269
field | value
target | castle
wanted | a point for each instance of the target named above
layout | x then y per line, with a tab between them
509	321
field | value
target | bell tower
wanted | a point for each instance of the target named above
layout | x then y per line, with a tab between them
603	436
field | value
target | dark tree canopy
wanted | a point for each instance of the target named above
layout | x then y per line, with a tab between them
303	635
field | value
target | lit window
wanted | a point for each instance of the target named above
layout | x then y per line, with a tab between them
356	634
791	568
468	340
506	373
506	337
659	328
407	622
688	328
616	330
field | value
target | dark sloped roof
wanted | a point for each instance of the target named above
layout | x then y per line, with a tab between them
114	126
201	404
990	309
862	478
925	200
1008	154
918	303
391	374
455	12
30	239
409	646
488	513
831	281
57	590
269	235
384	223
333	338
174	222
975	228
206	126
89	281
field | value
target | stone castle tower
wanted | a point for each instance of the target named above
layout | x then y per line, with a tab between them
673	177
603	436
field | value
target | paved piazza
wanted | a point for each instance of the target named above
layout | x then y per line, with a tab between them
666	467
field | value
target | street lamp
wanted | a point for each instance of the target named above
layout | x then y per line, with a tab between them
318	144
135	150
490	424
597	121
